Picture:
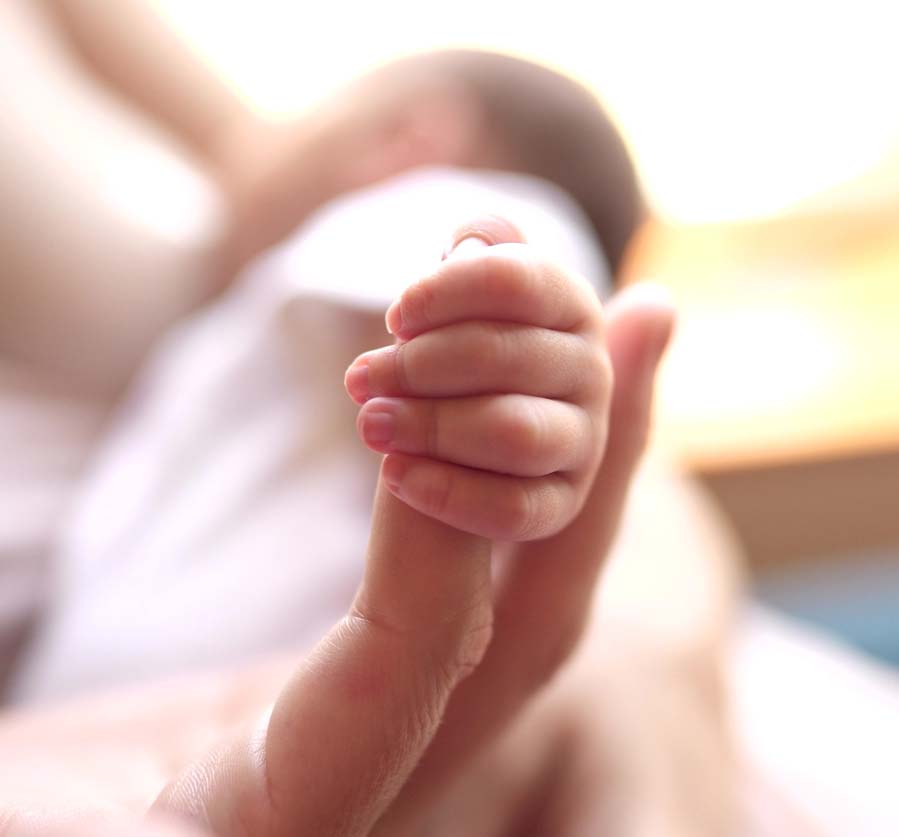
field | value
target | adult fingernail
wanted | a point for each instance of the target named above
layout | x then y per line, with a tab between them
356	381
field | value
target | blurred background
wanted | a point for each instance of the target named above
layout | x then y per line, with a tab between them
767	138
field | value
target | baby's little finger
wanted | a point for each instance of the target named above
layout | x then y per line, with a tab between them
491	505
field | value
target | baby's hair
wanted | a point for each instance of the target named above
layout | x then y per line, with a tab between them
546	124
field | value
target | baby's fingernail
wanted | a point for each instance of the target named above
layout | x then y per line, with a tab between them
378	426
467	245
356	381
394	318
393	469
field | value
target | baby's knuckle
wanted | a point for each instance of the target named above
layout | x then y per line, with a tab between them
489	345
595	372
417	303
468	636
433	428
523	429
573	440
437	492
509	273
551	507
517	513
401	367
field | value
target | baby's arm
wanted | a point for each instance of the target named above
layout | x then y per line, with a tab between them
492	406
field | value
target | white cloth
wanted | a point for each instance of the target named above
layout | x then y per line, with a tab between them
817	729
227	513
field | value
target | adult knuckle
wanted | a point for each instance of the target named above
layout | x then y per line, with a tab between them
469	647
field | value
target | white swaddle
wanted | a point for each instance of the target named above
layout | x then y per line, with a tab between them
226	515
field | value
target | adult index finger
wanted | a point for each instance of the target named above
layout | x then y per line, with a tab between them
359	713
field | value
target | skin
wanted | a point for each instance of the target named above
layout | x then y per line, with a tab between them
510	720
126	74
424	679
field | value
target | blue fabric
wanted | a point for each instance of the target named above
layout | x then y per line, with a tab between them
855	597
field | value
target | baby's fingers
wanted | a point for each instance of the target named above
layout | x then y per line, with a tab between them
508	282
494	506
475	358
517	435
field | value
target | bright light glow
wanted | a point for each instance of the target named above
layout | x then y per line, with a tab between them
733	110
795	357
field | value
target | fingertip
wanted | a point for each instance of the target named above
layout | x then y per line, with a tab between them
651	299
483	230
469	245
393	319
355	381
641	320
376	424
393	469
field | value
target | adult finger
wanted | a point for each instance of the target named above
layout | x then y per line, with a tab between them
547	590
358	714
347	731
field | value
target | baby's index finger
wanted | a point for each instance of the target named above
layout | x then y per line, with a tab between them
505	282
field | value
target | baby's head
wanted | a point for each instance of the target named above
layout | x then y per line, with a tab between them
486	110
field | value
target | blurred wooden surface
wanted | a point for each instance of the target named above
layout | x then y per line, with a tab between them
782	386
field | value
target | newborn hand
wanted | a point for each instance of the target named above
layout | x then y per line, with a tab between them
492	406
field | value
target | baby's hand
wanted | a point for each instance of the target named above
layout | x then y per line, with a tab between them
492	406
